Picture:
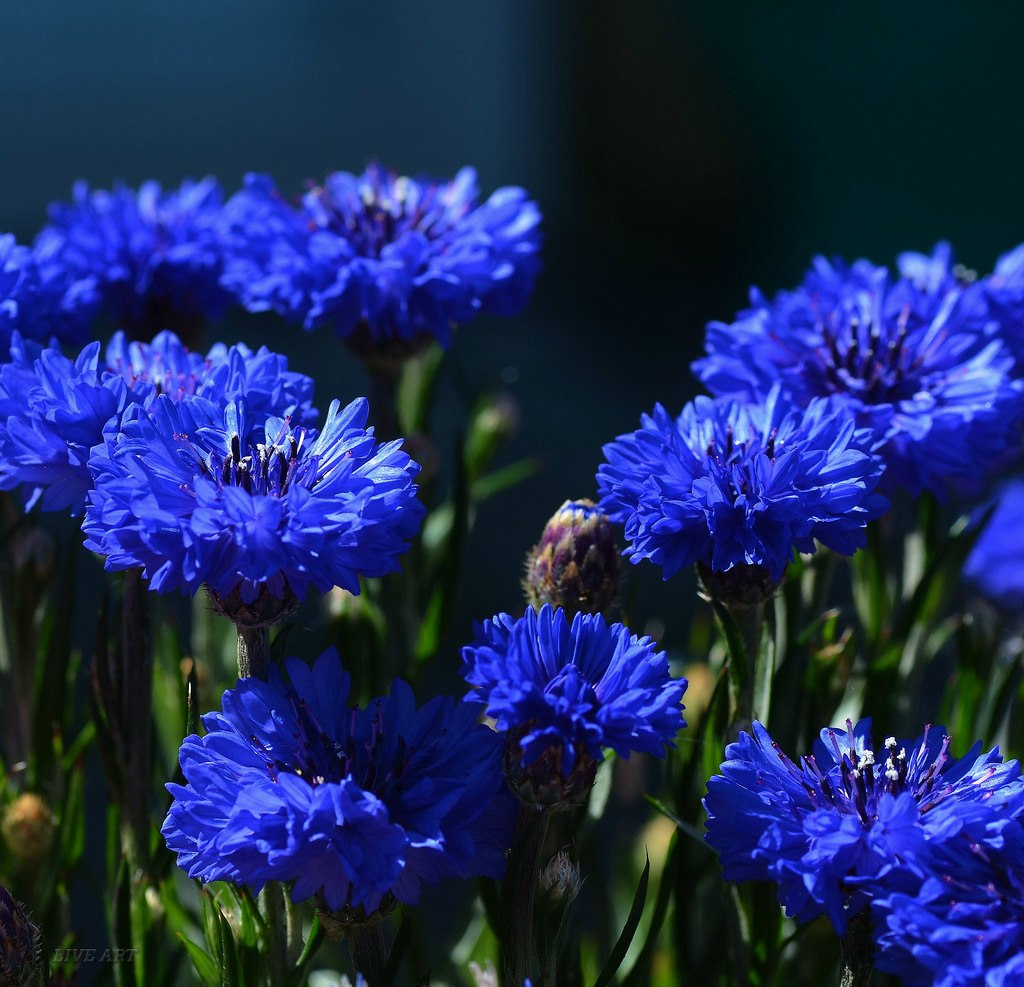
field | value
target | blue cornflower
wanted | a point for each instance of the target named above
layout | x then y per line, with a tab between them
728	484
355	806
965	925
994	564
912	356
54	410
566	691
40	299
846	826
181	493
1003	295
156	255
386	260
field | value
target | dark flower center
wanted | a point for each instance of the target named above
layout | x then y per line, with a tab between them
862	780
317	758
868	358
383	212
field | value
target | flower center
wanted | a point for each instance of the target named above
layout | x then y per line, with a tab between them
317	759
386	207
859	780
867	357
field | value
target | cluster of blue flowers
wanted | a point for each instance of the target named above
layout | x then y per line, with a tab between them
925	843
380	257
55	411
214	469
858	382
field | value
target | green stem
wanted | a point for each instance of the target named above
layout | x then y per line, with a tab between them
741	625
858	953
136	703
384	401
253	651
369	952
519	894
274	901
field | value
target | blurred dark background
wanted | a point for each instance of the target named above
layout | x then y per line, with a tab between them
680	151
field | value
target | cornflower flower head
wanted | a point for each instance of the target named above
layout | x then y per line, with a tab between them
848	825
156	256
994	565
390	262
730	483
565	691
183	494
911	356
963	927
358	807
1003	292
40	299
54	410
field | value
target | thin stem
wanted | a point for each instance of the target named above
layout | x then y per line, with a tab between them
858	953
274	899
741	624
384	401
369	952
519	894
136	702
253	651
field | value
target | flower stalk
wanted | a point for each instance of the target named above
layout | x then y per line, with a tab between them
253	651
857	952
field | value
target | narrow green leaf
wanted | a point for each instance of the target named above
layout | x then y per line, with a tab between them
398	950
713	728
508	476
77	747
692	831
202	961
622	944
416	389
313	942
227	954
640	974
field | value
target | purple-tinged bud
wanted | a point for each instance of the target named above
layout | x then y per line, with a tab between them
19	943
575	565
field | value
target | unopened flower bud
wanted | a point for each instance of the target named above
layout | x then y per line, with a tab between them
560	880
28	829
575	565
19	943
485	976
